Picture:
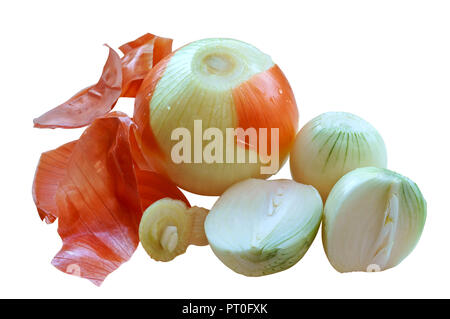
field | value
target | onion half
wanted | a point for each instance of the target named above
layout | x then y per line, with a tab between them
262	227
373	219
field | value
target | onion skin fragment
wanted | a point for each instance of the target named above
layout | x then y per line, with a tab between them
227	84
267	100
144	134
139	57
98	203
50	171
373	219
90	103
99	187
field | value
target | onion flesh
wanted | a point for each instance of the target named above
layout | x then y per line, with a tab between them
262	227
373	218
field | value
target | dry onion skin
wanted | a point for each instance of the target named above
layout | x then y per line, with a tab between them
225	83
168	227
260	227
96	190
120	77
139	57
373	219
90	103
333	144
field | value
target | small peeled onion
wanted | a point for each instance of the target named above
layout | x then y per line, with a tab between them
260	227
373	219
331	145
168	227
191	103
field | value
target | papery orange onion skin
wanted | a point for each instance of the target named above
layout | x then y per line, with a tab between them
98	203
144	133
50	171
90	103
99	186
266	101
139	57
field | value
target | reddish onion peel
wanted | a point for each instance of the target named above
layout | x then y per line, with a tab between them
51	170
120	77
90	103
266	100
139	57
144	133
99	195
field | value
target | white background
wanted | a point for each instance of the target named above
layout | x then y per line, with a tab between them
386	61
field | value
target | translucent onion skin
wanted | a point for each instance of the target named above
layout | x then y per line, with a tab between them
333	144
139	56
260	227
225	83
97	187
90	103
373	219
